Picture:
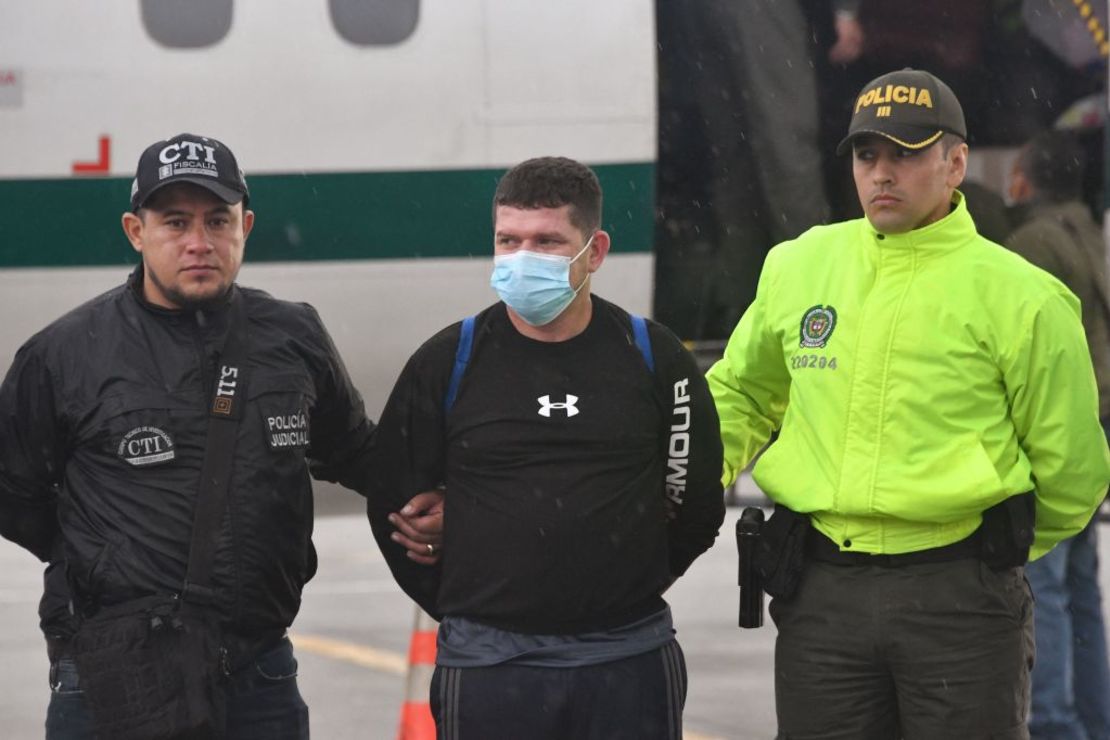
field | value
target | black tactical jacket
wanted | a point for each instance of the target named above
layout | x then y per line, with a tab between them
103	419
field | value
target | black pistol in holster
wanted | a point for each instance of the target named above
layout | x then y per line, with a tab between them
1006	533
781	554
748	528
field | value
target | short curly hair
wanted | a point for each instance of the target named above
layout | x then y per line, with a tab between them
553	182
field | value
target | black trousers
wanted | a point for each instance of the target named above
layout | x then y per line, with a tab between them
919	652
637	698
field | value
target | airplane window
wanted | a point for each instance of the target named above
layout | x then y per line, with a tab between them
374	22
186	25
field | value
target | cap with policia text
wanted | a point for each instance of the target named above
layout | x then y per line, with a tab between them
189	158
910	107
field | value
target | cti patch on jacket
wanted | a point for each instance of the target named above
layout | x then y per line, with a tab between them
817	326
144	446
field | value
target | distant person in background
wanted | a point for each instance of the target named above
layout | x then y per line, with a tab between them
740	76
1071	678
850	37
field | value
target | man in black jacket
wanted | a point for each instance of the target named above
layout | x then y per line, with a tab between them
104	421
579	449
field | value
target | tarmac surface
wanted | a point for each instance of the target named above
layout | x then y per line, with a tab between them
353	631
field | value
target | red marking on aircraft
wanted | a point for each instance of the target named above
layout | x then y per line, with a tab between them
102	165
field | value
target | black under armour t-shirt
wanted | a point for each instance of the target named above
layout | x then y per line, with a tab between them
578	480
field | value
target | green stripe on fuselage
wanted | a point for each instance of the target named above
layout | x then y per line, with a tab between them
336	216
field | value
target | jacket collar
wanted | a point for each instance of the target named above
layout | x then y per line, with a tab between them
950	232
202	317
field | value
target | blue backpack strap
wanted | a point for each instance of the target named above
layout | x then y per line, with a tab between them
643	341
462	357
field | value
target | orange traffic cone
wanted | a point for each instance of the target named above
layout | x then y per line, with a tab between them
416	713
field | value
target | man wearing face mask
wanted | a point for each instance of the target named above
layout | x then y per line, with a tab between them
579	450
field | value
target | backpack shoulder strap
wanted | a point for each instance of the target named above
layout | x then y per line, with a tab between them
643	341
466	343
462	357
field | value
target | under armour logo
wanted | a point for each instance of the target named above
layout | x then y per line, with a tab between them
568	405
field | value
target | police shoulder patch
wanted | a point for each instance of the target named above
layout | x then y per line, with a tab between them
287	430
817	326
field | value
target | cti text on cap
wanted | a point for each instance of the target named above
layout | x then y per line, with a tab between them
199	160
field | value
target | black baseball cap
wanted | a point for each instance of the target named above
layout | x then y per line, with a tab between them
910	107
189	158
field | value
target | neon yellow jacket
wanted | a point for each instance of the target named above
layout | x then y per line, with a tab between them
915	380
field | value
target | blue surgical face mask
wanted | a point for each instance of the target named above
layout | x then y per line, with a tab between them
536	286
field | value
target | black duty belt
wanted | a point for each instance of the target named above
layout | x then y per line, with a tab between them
241	649
823	550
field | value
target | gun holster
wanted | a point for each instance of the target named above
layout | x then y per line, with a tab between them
781	552
1006	533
